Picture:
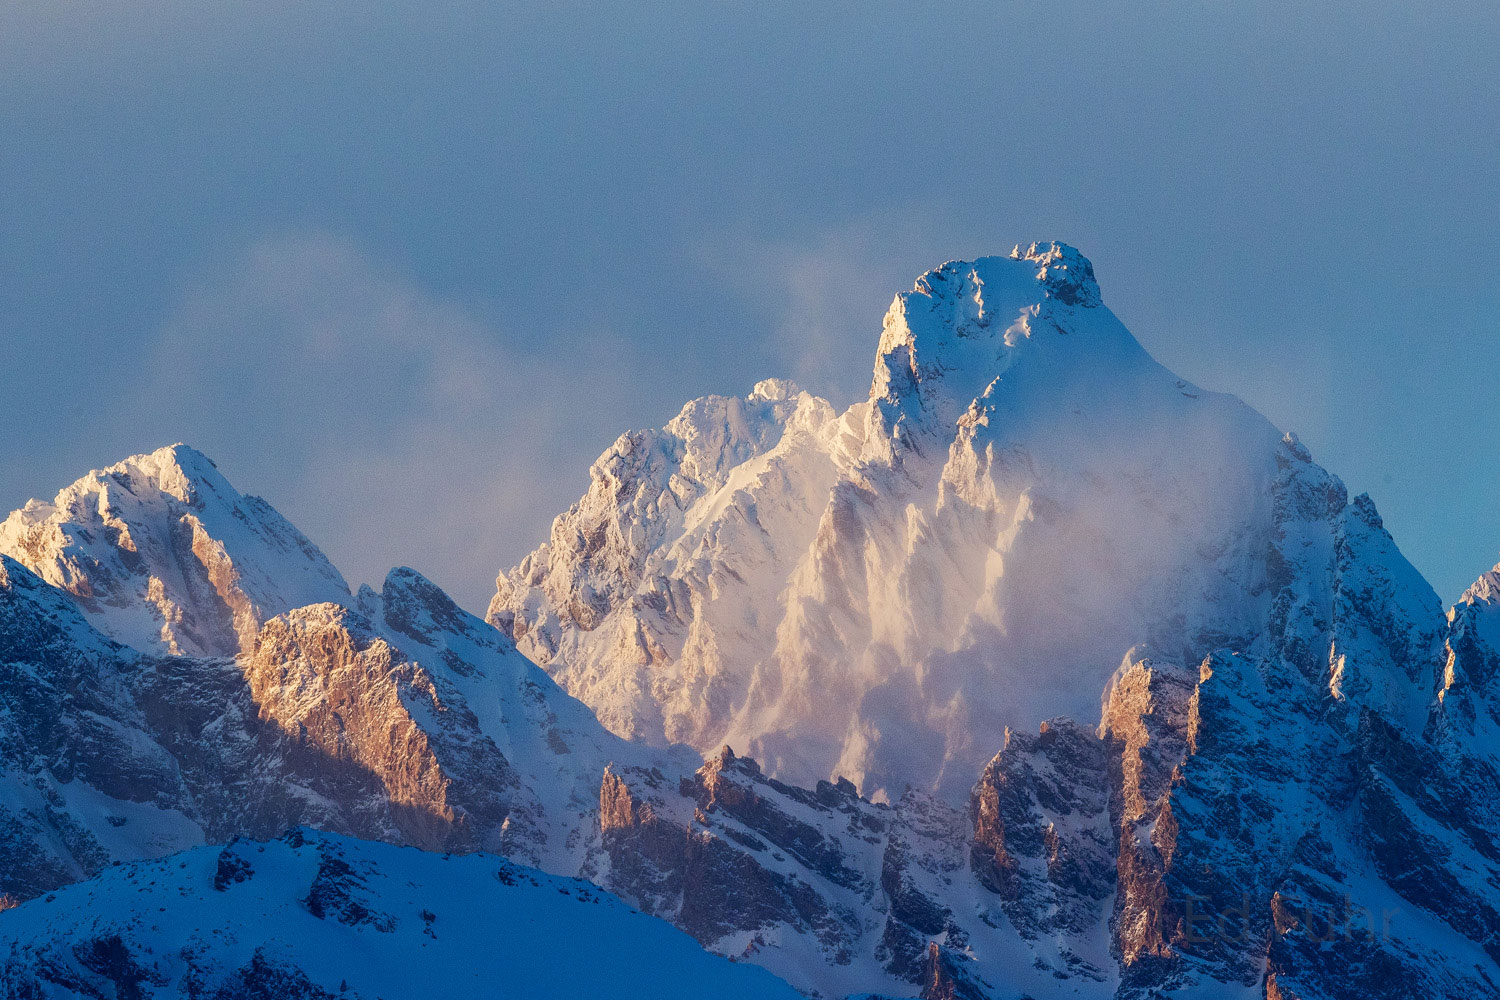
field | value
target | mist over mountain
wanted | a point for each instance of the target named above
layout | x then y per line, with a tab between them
1040	672
880	593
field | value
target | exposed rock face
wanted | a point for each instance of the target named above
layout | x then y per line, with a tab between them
943	979
111	754
922	869
1042	841
748	867
1146	722
78	762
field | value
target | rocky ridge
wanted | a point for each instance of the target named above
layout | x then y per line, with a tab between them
1288	788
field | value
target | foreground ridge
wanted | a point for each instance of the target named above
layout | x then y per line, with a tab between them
287	918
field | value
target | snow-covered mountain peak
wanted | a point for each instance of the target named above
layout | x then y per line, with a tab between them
1026	495
163	554
714	433
775	389
965	325
1485	590
754	575
177	470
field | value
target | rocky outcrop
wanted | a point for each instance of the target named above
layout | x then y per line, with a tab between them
340	692
725	857
945	979
1041	837
80	771
922	868
111	754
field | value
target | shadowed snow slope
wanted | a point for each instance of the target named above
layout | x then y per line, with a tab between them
319	916
880	593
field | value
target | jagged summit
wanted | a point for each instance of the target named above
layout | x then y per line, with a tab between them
163	554
1068	274
880	592
1485	590
1025	330
931	587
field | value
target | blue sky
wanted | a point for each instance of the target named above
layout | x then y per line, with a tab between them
406	273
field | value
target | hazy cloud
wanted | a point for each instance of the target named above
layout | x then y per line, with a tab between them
830	292
390	424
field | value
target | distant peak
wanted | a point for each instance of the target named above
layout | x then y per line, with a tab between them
415	606
163	553
775	389
404	578
1485	590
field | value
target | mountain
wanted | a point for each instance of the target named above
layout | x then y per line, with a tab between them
163	554
1241	751
881	593
317	916
1136	700
396	716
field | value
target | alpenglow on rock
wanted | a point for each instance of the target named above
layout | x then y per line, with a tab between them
880	593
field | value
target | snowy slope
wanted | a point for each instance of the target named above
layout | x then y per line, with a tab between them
1252	713
396	716
449	740
881	593
164	555
314	915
